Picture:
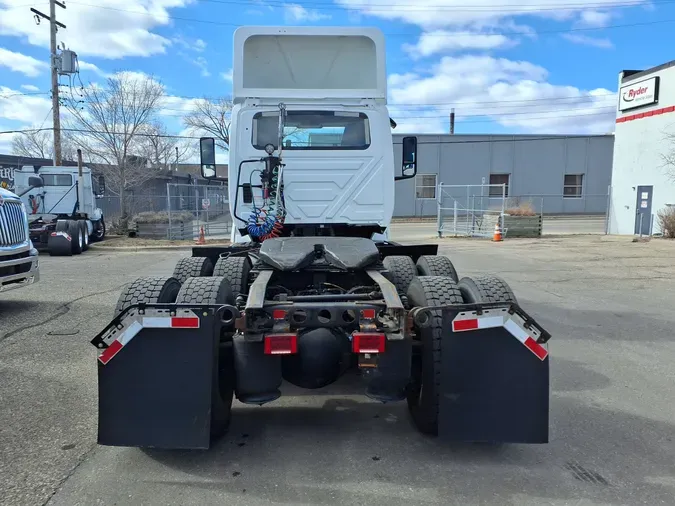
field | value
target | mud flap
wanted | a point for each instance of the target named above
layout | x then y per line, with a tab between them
156	390
493	387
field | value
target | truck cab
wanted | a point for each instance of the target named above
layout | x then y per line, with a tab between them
316	99
19	265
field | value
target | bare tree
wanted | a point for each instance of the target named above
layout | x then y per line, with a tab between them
212	117
111	127
40	144
163	150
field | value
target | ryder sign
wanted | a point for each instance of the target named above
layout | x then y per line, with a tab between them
638	94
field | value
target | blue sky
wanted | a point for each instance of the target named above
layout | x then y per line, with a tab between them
507	66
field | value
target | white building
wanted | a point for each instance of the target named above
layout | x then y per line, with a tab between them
645	133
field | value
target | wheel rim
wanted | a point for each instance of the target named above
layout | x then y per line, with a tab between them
80	240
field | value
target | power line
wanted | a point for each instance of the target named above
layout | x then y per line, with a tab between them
514	137
450	34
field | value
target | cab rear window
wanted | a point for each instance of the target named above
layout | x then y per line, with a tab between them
57	179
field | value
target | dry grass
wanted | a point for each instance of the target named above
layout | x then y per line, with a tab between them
522	209
162	217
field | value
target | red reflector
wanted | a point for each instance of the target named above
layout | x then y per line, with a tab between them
369	314
460	325
110	352
368	343
536	348
185	322
281	344
279	314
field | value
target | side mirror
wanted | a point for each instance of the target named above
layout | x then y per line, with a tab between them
409	158
207	155
101	185
35	182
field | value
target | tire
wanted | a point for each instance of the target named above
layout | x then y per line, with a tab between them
436	265
75	231
236	271
215	290
99	231
148	290
401	269
426	366
192	267
486	288
85	235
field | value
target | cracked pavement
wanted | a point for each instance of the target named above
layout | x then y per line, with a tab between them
607	302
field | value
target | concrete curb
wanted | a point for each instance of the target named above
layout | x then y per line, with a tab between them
181	247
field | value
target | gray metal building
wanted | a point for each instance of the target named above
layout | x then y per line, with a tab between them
556	174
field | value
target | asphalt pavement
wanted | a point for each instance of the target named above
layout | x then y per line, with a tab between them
607	302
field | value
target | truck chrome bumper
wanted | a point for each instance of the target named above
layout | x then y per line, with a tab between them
20	280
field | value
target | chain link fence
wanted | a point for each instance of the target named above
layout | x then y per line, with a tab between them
474	210
179	214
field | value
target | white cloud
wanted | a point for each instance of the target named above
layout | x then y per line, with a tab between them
440	41
434	14
593	18
30	87
227	75
18	62
107	28
92	68
26	109
201	62
197	45
585	40
483	89
298	13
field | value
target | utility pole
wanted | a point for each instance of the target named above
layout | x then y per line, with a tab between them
452	121
54	64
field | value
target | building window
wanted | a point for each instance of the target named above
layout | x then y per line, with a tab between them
425	186
573	186
496	191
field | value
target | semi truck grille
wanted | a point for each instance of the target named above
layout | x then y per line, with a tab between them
12	224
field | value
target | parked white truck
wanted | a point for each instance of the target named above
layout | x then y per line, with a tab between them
19	265
62	214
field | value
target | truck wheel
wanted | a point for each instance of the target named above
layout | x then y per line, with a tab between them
99	231
149	290
85	235
235	270
75	231
192	267
436	265
424	389
215	290
401	269
486	289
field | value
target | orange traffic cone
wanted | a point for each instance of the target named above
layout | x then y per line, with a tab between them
498	233
202	239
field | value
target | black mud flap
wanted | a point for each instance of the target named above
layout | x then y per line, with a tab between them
155	390
494	377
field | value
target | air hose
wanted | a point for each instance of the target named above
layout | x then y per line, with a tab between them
267	221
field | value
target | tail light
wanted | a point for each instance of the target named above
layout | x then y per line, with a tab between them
365	342
281	344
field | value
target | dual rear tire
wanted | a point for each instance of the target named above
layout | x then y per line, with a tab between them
433	282
194	290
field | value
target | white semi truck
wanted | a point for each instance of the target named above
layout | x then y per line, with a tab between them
311	289
62	214
19	264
